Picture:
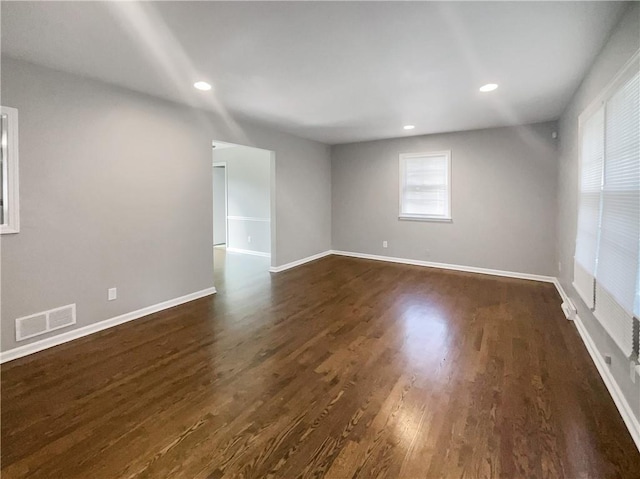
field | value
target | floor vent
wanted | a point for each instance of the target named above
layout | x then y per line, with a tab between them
40	323
569	310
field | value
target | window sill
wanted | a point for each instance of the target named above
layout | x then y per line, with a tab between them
434	219
9	230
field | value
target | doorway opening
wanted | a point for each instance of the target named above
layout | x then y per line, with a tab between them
243	214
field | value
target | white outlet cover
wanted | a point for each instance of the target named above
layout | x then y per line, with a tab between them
385	244
112	294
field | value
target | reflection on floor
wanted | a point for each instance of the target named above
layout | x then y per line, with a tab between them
338	368
234	271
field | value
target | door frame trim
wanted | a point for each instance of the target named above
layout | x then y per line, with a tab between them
223	164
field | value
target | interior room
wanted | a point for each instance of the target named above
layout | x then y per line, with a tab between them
241	214
319	239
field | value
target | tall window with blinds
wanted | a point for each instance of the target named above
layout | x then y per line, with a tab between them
592	160
607	257
425	186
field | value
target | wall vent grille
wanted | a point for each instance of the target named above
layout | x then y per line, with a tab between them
41	323
569	310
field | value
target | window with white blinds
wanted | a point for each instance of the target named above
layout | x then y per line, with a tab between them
607	258
592	160
425	186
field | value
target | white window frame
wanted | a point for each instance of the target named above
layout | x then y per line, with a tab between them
9	145
420	217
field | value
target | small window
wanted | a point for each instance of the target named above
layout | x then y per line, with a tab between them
9	199
425	186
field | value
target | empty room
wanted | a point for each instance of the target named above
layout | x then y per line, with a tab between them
319	239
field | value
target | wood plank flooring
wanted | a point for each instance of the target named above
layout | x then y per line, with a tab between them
340	368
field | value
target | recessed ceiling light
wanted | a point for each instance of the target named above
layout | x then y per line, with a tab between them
408	127
202	85
488	87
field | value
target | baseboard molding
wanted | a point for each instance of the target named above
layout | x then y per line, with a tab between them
454	267
625	410
561	291
248	251
293	264
47	343
568	308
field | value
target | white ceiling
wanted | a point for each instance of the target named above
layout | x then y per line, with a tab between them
335	72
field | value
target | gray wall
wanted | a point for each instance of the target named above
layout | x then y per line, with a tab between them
248	196
503	200
623	43
116	190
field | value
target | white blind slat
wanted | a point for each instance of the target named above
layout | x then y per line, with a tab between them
583	282
616	321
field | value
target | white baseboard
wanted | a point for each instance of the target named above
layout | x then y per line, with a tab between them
248	251
47	343
614	390
561	291
568	308
293	264
454	267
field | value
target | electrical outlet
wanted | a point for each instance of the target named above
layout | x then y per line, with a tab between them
112	294
385	244
248	239
607	359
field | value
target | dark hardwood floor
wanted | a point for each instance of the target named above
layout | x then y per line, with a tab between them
340	368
